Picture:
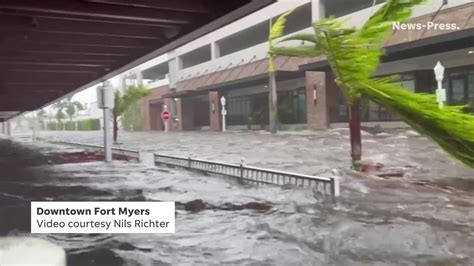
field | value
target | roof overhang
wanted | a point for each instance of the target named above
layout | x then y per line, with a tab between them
53	48
181	94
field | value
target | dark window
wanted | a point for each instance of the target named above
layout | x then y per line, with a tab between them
459	83
157	72
257	34
195	57
339	8
253	109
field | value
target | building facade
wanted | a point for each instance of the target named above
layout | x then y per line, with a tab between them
232	62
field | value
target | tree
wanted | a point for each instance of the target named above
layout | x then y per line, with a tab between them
70	107
122	101
59	116
354	54
41	116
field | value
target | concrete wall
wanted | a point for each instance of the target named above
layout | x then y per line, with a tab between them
259	52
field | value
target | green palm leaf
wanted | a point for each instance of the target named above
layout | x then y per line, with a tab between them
354	56
278	27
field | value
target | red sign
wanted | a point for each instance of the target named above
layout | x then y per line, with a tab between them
165	115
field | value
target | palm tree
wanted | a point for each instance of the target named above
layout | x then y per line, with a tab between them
122	101
59	117
354	54
70	107
41	116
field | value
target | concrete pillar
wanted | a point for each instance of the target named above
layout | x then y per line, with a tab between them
123	82
173	69
316	104
139	78
318	10
215	50
144	106
215	111
8	128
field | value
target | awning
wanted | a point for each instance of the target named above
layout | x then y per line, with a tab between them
245	74
51	48
252	81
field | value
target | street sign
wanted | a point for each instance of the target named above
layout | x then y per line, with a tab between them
165	115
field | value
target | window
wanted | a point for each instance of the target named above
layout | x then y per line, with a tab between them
458	90
339	8
257	34
155	73
459	83
408	81
196	57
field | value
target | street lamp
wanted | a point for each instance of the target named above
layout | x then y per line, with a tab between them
440	92
223	112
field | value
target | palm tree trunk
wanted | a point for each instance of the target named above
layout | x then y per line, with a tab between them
115	131
273	104
355	135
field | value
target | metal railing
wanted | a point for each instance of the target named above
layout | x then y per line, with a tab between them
251	174
326	185
135	154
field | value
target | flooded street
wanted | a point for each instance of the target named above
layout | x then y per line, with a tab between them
219	221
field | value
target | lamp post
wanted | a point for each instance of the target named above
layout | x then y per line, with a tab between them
223	113
105	101
440	92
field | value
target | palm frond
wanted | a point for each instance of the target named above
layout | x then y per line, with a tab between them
276	30
305	37
354	56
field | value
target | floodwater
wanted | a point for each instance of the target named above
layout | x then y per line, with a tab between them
376	221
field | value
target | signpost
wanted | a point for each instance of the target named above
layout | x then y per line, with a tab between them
105	101
165	116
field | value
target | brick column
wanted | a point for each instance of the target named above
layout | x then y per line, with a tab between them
215	111
316	109
169	102
144	106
